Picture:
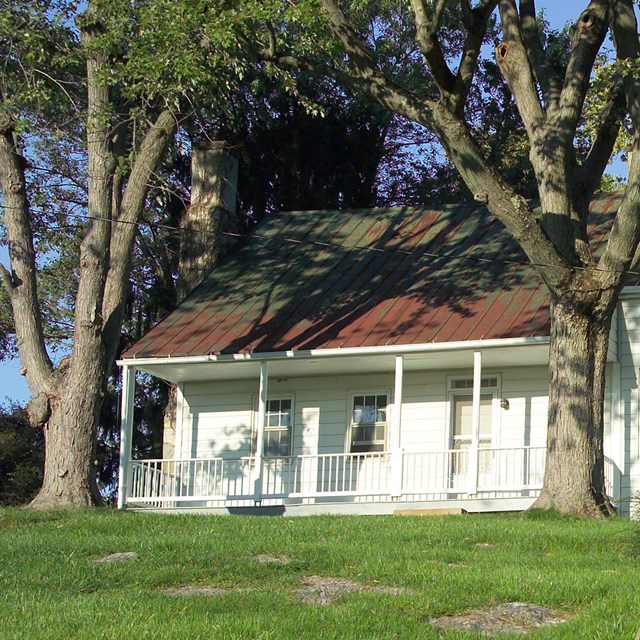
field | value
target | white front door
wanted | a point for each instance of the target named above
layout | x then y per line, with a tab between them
461	430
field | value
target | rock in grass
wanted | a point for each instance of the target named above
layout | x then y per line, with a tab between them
511	617
119	557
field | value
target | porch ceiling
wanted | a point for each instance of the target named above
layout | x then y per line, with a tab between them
304	365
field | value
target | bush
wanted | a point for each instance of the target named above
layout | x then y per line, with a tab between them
21	456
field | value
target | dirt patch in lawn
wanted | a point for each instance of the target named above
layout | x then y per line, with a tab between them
512	617
316	590
324	591
266	558
193	590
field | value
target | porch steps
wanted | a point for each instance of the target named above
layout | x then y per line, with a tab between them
456	511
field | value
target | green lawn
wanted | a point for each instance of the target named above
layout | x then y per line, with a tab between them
51	586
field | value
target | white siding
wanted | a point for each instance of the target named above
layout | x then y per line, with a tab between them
524	423
216	419
221	413
628	333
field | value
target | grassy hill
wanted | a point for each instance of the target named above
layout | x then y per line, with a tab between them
341	577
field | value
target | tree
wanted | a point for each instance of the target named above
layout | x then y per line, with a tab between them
444	41
120	162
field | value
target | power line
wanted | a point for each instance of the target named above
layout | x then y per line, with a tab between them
434	255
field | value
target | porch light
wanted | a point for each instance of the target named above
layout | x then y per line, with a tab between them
504	403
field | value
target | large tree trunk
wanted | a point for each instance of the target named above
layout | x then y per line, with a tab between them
69	472
574	472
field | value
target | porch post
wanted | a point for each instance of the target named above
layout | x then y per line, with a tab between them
617	443
394	435
126	428
262	414
475	423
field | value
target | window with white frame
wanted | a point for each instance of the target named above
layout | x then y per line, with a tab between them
368	427
278	427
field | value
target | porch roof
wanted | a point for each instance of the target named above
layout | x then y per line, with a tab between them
323	280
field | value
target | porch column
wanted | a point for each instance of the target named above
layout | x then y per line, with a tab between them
126	428
262	414
617	442
394	435
475	423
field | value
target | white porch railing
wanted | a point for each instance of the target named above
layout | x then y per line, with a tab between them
611	479
403	476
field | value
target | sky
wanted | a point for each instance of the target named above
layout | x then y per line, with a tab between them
13	386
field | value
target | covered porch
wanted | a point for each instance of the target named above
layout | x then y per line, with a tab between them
480	476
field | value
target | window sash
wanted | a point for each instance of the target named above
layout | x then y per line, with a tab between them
463	416
368	428
278	428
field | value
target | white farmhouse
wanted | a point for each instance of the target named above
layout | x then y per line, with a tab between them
369	361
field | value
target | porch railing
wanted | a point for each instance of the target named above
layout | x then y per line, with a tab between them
401	475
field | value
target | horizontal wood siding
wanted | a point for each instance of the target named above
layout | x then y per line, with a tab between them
222	419
628	334
220	416
524	423
424	411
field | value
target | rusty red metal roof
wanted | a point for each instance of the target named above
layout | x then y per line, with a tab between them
330	279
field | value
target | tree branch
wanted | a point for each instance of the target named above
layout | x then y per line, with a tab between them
346	33
476	22
549	82
501	200
624	238
512	58
427	39
144	166
587	36
588	176
21	284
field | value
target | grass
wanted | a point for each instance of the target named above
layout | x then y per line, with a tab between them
51	587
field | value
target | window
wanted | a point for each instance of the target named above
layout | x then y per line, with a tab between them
467	383
368	430
278	428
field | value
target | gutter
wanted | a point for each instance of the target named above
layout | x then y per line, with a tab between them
430	347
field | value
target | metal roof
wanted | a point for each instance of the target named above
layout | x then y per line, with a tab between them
359	278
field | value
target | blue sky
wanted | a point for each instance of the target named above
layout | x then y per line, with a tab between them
13	386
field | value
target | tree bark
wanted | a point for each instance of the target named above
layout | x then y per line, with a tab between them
574	471
69	472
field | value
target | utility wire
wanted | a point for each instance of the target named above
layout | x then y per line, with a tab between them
318	243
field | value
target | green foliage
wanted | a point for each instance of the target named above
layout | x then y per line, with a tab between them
169	51
607	73
39	49
21	456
